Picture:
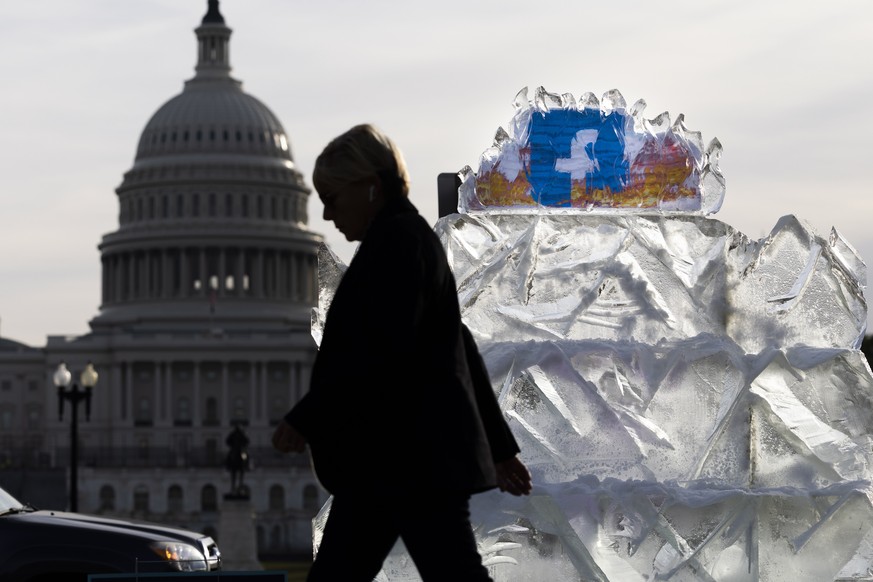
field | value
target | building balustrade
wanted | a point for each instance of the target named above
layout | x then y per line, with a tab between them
141	457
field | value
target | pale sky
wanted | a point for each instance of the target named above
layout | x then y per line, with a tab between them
786	89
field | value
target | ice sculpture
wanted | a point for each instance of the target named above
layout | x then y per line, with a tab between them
591	155
691	402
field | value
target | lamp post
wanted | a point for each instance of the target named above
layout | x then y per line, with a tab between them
61	379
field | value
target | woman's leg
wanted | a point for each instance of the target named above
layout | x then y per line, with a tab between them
357	538
437	532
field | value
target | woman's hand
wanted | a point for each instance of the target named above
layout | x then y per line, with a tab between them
513	477
287	439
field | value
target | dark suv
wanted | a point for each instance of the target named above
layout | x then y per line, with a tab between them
43	546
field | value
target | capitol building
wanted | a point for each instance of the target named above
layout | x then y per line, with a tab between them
208	284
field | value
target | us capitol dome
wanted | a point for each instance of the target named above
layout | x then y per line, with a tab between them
208	285
213	211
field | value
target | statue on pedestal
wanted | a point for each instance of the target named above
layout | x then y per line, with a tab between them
237	462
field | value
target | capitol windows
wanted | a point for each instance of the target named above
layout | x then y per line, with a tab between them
151	208
165	206
238	135
143	412
225	135
195	205
212	205
139	213
260	207
285	211
199	135
183	412
180	206
274	207
228	205
245	207
283	142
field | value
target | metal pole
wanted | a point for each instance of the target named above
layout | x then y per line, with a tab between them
74	450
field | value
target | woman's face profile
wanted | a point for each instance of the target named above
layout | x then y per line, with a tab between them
351	208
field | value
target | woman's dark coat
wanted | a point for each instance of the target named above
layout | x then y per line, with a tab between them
399	396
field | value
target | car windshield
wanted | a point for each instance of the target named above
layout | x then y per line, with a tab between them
8	502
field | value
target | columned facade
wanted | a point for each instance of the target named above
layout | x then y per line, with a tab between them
226	271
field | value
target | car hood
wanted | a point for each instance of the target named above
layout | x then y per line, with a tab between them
127	536
65	519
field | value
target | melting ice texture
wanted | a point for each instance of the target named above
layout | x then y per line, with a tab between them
590	155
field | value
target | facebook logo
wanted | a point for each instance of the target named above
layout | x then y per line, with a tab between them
569	145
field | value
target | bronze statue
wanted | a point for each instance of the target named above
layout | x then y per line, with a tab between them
237	461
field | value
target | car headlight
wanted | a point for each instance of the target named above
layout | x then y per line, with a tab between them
182	557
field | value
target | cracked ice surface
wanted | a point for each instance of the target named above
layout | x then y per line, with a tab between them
690	402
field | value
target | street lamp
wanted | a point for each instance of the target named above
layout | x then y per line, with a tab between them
61	380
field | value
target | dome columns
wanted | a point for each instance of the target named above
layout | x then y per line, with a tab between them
200	272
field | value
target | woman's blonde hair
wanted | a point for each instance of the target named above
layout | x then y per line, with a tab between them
360	153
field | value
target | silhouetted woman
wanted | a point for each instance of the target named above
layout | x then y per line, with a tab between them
400	417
